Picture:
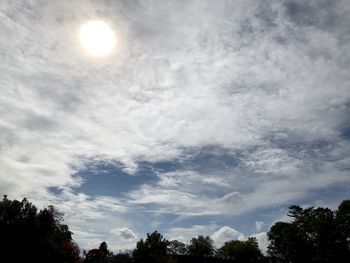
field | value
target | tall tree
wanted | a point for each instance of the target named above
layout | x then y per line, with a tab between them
241	251
312	236
177	248
31	236
342	220
99	255
152	250
122	257
201	246
285	243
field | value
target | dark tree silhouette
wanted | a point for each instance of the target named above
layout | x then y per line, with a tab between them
284	242
241	251
124	257
314	235
201	246
31	236
98	255
177	248
152	250
342	220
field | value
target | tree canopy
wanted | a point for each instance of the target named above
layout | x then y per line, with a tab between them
29	235
152	249
177	248
314	235
241	251
201	246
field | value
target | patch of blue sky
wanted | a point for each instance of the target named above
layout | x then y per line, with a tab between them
212	159
327	197
346	133
111	180
55	190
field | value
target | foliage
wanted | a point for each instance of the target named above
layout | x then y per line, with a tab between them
98	255
31	236
121	258
152	249
201	246
342	220
177	248
241	251
314	235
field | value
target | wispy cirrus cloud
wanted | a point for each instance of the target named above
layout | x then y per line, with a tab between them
246	102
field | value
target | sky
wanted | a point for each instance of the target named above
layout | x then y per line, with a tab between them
209	117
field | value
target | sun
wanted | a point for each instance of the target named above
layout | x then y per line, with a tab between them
97	38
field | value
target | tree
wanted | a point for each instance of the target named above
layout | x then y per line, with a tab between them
104	248
201	246
177	248
98	255
152	249
121	257
71	252
342	220
284	242
312	236
31	236
241	251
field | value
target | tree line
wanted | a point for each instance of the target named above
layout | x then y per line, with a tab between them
312	235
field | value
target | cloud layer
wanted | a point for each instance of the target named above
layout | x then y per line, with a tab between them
234	106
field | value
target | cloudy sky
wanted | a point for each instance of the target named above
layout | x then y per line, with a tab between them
209	117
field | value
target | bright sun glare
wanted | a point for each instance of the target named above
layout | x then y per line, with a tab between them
97	38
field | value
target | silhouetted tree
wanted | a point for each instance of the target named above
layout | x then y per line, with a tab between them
342	220
152	250
283	242
98	255
241	251
27	235
201	246
177	248
314	235
124	257
71	252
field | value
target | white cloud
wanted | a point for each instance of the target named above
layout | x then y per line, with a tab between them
184	202
191	97
188	179
185	234
124	233
86	239
262	241
259	225
219	236
225	234
248	77
267	160
117	239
